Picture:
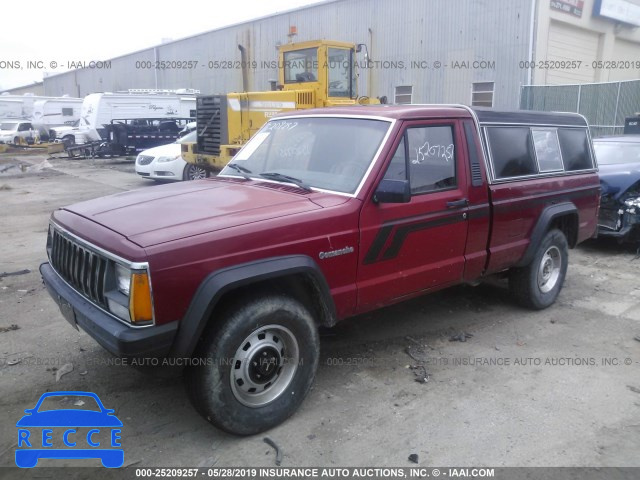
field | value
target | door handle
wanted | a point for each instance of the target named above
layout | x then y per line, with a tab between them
463	202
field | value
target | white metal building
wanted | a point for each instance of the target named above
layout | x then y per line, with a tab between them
422	51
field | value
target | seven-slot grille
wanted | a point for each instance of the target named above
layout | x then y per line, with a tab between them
82	268
211	119
145	159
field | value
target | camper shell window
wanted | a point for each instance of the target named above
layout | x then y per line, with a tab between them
522	145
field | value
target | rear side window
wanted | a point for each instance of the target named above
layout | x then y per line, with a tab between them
574	145
512	152
545	141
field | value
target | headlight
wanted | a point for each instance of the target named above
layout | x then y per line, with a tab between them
123	279
131	300
632	202
167	159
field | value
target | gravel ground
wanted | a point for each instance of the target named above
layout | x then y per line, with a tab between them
559	387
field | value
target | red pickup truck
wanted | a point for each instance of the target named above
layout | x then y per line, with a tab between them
323	215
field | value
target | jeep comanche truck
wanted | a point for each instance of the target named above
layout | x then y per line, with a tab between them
323	215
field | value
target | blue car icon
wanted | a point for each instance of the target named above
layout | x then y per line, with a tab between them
33	447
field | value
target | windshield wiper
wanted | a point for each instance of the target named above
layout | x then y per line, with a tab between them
241	170
286	178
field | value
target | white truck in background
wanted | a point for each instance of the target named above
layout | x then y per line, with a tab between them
99	109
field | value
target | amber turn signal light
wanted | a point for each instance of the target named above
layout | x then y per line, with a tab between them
140	304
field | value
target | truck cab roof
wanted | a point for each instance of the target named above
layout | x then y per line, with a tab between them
483	115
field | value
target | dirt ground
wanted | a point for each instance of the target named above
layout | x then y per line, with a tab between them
559	387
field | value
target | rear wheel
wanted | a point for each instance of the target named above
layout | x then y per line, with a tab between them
16	141
193	172
538	284
69	140
253	370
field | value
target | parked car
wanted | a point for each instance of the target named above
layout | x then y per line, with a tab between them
619	162
12	131
165	162
324	214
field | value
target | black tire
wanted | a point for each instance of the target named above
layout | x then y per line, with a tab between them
69	140
225	369
193	172
537	285
16	141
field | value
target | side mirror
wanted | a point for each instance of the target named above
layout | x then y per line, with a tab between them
393	191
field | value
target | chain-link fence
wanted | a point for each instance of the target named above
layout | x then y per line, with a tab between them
605	105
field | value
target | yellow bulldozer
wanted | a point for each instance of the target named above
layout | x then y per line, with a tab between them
310	74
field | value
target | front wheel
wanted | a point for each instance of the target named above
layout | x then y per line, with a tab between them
69	140
253	370
193	172
538	284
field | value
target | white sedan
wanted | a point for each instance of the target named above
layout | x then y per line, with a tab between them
166	163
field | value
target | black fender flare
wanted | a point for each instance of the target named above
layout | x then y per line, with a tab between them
546	218
216	284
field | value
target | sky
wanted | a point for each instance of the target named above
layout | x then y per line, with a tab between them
97	30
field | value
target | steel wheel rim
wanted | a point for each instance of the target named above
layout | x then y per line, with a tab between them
264	365
549	269
196	173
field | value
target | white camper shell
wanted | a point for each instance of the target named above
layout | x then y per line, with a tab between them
28	102
10	108
53	112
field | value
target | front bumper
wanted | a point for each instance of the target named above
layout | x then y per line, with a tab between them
116	337
162	171
619	223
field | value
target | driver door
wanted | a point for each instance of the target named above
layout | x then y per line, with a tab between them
407	248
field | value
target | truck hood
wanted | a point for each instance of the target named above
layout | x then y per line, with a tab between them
159	214
616	179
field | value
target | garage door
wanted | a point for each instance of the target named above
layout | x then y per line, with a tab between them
570	43
625	51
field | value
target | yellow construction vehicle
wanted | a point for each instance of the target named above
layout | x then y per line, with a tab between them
310	74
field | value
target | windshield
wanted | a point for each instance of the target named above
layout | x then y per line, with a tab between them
301	66
8	126
330	153
610	153
341	73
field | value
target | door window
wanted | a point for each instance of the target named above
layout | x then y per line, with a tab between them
428	154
